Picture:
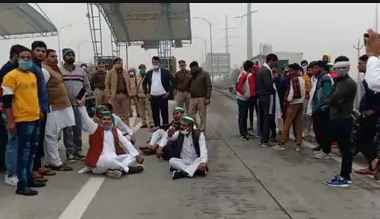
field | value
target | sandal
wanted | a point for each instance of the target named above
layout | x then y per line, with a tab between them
364	171
62	167
46	172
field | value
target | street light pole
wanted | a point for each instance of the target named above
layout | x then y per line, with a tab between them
211	53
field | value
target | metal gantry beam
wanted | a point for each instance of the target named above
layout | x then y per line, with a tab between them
94	18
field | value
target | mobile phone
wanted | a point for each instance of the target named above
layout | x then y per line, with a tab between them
366	37
81	94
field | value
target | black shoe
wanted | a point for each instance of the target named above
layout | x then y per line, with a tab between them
79	156
138	116
250	129
62	167
37	184
135	169
151	127
316	148
70	158
144	126
244	138
179	174
26	191
172	169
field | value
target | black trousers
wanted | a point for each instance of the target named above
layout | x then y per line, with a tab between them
321	126
3	143
267	121
365	137
243	116
37	163
159	104
341	131
252	106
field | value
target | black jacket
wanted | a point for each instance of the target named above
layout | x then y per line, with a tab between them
264	83
166	80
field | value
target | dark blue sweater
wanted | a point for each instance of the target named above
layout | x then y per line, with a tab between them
7	67
42	91
370	100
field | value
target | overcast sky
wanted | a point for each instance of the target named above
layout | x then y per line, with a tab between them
314	29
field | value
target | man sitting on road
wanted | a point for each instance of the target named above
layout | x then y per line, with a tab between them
119	124
159	136
109	152
189	155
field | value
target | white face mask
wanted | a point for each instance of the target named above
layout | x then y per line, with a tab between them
131	73
184	132
155	67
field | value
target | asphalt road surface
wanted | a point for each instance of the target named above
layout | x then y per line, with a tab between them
245	181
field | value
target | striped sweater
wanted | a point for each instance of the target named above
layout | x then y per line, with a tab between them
74	81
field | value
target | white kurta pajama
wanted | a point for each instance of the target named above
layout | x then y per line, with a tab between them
124	128
189	161
108	159
55	122
159	137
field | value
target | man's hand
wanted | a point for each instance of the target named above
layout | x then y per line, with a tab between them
159	153
11	127
139	159
207	102
132	139
372	46
166	96
154	129
170	132
368	112
202	167
81	102
42	115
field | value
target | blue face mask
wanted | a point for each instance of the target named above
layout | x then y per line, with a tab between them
25	65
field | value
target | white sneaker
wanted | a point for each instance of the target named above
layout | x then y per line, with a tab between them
321	155
298	148
116	174
278	147
84	170
12	181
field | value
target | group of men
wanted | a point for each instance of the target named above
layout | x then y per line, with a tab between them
40	102
319	95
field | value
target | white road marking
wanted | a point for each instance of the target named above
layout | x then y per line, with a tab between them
79	204
83	198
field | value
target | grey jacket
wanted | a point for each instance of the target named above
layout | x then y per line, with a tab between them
74	81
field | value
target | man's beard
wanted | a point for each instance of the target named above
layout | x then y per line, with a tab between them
70	61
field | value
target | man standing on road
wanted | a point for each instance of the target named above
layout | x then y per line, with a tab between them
320	111
144	103
243	90
22	108
182	80
61	113
341	102
132	84
109	152
158	84
200	93
269	102
362	68
10	139
97	83
307	77
75	79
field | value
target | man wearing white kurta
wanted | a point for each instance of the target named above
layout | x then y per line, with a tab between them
61	114
110	152
190	153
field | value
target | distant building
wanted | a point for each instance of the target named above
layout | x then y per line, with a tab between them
221	63
284	58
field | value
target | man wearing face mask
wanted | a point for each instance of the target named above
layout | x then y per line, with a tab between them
23	114
341	102
144	103
118	90
109	152
158	84
133	91
182	80
200	92
97	83
189	156
75	79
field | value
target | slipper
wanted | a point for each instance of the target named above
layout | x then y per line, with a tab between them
46	172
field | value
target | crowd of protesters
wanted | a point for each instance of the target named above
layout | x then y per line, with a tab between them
318	95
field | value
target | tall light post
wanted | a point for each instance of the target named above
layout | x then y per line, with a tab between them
212	58
249	29
78	47
59	39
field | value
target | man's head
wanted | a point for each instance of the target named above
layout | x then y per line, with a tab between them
83	66
362	65
304	65
15	49
294	69
247	66
132	71
276	72
101	67
142	70
341	66
182	65
68	56
117	63
101	108
325	59
25	59
309	70
318	67
39	50
187	124
194	67
51	57
271	60
108	106
177	113
105	120
156	62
